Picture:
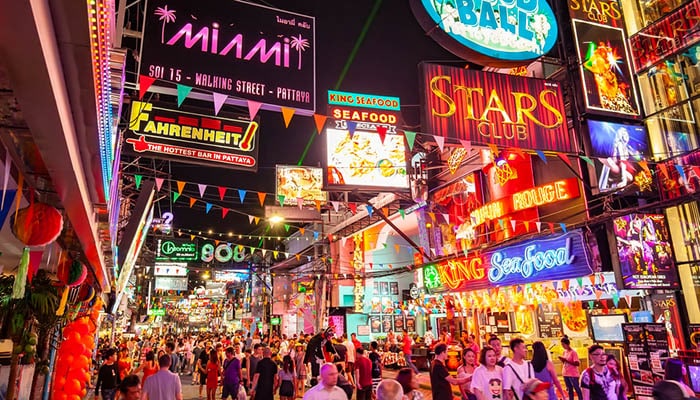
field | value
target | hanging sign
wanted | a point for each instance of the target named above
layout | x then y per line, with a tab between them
156	312
492	33
170	269
222	253
192	138
490	108
170	283
242	50
176	250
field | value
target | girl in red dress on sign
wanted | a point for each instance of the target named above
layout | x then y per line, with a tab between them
213	371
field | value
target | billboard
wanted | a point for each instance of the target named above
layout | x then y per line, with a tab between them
671	184
608	84
362	161
492	33
644	252
170	283
191	137
243	50
369	111
605	12
176	250
618	149
296	182
490	108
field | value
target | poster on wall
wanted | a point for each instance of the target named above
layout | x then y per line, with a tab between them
608	83
666	312
337	322
549	321
638	360
399	323
574	319
644	252
297	182
394	288
411	324
375	323
387	323
384	288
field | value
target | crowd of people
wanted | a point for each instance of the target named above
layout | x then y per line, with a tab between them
321	366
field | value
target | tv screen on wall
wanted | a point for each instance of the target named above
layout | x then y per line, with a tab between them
617	150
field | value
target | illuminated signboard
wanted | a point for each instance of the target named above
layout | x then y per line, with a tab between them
156	312
618	149
192	138
362	161
489	108
488	32
601	11
670	34
644	252
222	253
368	110
275	321
170	283
170	269
297	182
604	61
176	250
242	50
556	257
672	185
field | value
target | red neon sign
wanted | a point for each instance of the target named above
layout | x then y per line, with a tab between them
457	274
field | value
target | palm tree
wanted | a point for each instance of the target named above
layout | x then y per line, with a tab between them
165	16
299	44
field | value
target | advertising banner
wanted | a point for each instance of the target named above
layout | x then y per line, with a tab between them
369	111
670	34
644	252
606	12
362	161
170	269
176	250
297	182
679	176
608	83
243	50
489	108
170	283
553	258
192	138
647	350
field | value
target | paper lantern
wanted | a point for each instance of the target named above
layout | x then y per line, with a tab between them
71	272
37	225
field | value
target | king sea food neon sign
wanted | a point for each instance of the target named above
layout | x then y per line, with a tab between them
506	32
559	257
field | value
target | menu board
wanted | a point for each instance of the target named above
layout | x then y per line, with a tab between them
399	322
657	344
646	346
549	321
411	324
499	320
375	323
386	323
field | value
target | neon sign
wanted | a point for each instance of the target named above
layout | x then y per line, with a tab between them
368	110
176	250
222	253
494	33
557	257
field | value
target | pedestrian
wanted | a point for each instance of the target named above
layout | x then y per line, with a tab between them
265	377
570	363
487	380
409	383
163	385
670	390
440	378
363	375
202	367
300	368
130	388
406	344
544	370
376	360
170	350
254	360
675	371
232	375
466	370
495	344
124	363
597	382
286	379
213	371
621	384
389	389
149	367
245	371
535	389
343	381
517	371
108	376
350	357
327	388
355	341
314	355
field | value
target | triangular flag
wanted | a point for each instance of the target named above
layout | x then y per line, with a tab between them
145	83
518	151
137	180
663	168
579	280
287	114
318	205
381	130
370	210
301	231
250	219
563	226
551	226
402	212
180	186
219	100
297	256
34	262
202	188
591	278
286	227
538	224
216	242
501	223
222	193
176	195
182	92
628	299
208	207
256	220
241	195
253	108
353	207
320	121
681	172
440	140
512	224
191	237
315	235
467	144
352	125
591	304
192	201
336	205
159	183
224	211
300	202
410	138
565	158
527	225
261	198
397	248
586	159
540	153
645	166
280	198
616	298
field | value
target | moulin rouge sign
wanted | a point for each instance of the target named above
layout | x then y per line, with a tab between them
491	108
489	32
557	257
246	51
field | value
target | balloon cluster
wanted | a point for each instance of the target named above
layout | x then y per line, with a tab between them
72	373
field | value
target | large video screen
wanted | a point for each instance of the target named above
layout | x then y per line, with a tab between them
618	149
297	182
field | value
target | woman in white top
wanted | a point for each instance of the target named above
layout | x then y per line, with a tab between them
466	370
487	380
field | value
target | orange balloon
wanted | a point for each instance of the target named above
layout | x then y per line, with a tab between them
72	386
60	382
74	397
60	395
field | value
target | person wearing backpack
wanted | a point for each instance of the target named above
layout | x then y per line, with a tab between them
517	371
597	382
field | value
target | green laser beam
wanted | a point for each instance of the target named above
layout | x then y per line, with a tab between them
346	68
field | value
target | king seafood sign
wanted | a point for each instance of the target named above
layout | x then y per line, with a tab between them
491	108
192	138
242	50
